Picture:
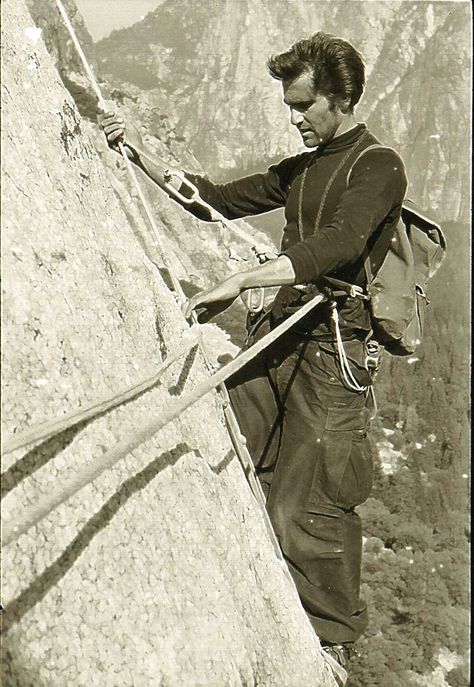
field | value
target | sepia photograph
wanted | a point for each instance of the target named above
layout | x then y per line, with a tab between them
235	316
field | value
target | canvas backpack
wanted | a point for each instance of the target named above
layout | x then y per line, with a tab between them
397	290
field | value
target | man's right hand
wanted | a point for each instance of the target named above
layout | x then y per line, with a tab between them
117	131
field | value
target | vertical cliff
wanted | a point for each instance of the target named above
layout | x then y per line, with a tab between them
160	571
202	252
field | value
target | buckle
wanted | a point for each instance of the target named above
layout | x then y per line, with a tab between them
358	292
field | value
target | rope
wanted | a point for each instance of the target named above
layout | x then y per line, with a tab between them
50	501
96	407
195	197
253	305
339	672
234	431
214	213
85	474
175	282
349	378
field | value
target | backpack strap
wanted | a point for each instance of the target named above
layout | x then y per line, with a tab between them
371	147
349	288
365	254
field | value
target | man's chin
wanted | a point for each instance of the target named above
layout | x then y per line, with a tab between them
309	140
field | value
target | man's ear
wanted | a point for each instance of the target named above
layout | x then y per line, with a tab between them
344	105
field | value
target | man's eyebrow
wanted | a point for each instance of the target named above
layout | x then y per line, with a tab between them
296	102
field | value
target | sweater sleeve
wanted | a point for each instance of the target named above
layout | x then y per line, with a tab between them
377	186
250	195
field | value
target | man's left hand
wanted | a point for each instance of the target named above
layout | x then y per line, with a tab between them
223	294
277	272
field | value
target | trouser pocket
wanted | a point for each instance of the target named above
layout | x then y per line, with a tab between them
327	533
344	464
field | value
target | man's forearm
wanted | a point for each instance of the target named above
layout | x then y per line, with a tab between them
277	272
154	167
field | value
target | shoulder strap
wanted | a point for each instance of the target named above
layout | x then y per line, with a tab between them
366	256
409	207
371	147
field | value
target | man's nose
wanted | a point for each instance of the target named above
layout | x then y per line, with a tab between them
296	117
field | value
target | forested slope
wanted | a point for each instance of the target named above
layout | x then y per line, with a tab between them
416	558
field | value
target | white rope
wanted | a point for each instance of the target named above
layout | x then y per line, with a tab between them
175	282
216	216
50	428
349	378
85	474
98	406
340	673
236	436
195	197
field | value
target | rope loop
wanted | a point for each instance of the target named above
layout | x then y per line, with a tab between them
348	377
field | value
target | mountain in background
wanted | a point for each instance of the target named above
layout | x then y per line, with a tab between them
209	60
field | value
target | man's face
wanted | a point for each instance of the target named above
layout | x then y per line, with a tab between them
311	113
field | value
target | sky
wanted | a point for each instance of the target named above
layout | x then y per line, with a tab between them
103	16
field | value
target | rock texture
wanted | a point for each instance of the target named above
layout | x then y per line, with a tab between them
160	572
208	59
202	252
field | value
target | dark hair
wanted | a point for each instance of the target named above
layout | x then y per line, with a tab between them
336	66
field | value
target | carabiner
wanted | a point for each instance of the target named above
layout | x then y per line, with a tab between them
168	175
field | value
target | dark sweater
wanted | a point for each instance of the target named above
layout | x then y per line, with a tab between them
363	210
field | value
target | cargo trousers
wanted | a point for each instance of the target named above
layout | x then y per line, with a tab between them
308	437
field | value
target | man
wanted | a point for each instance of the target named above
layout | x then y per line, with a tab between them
305	417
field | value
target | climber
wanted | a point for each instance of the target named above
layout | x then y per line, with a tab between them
306	427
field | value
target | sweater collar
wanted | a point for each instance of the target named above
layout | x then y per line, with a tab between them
342	142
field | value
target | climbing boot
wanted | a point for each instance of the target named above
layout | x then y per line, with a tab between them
337	656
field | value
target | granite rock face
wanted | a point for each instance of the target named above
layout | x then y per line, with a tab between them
161	571
209	59
201	252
